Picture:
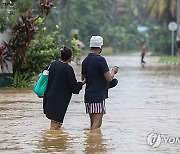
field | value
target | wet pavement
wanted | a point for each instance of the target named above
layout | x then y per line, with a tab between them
146	100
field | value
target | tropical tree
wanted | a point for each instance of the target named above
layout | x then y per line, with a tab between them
108	18
26	22
162	9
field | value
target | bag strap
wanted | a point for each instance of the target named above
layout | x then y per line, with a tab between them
49	67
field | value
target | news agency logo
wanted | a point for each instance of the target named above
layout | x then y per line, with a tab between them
154	140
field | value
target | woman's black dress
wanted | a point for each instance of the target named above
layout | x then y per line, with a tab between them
61	84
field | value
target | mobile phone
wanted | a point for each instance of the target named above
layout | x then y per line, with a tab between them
116	67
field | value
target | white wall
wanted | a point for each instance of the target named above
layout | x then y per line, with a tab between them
5	37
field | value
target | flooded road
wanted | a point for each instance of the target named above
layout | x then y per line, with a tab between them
146	100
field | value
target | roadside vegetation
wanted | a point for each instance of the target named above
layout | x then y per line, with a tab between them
40	28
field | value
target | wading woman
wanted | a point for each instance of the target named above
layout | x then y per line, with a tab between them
62	84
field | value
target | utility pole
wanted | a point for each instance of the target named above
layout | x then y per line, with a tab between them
178	18
178	29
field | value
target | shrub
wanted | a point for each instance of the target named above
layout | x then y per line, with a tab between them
42	51
20	80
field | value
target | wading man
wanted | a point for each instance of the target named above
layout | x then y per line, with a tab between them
143	52
96	72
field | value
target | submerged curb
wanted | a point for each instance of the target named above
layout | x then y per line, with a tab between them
169	62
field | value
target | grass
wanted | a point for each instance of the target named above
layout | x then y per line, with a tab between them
170	59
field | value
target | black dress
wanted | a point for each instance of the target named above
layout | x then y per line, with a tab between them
61	84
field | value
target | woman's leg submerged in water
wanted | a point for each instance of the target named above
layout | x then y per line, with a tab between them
91	119
55	125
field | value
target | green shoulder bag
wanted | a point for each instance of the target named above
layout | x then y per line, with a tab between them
42	82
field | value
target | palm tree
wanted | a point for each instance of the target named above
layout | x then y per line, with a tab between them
137	8
162	9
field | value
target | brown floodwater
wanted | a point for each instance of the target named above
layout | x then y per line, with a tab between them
146	100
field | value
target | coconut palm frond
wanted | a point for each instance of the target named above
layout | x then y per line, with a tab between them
161	8
173	7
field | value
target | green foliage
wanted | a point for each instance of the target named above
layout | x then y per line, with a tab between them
23	5
111	19
163	10
116	21
43	50
39	21
22	16
160	39
10	13
170	59
5	19
5	2
20	80
75	47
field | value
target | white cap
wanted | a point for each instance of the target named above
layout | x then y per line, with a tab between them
96	41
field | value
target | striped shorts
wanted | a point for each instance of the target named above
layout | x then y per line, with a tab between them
96	107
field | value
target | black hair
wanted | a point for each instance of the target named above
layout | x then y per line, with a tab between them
66	53
142	43
95	48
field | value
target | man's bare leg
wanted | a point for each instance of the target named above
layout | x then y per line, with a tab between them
96	120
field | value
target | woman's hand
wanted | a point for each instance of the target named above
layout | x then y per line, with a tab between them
83	79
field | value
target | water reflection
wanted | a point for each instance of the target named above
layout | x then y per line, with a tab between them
94	142
55	141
